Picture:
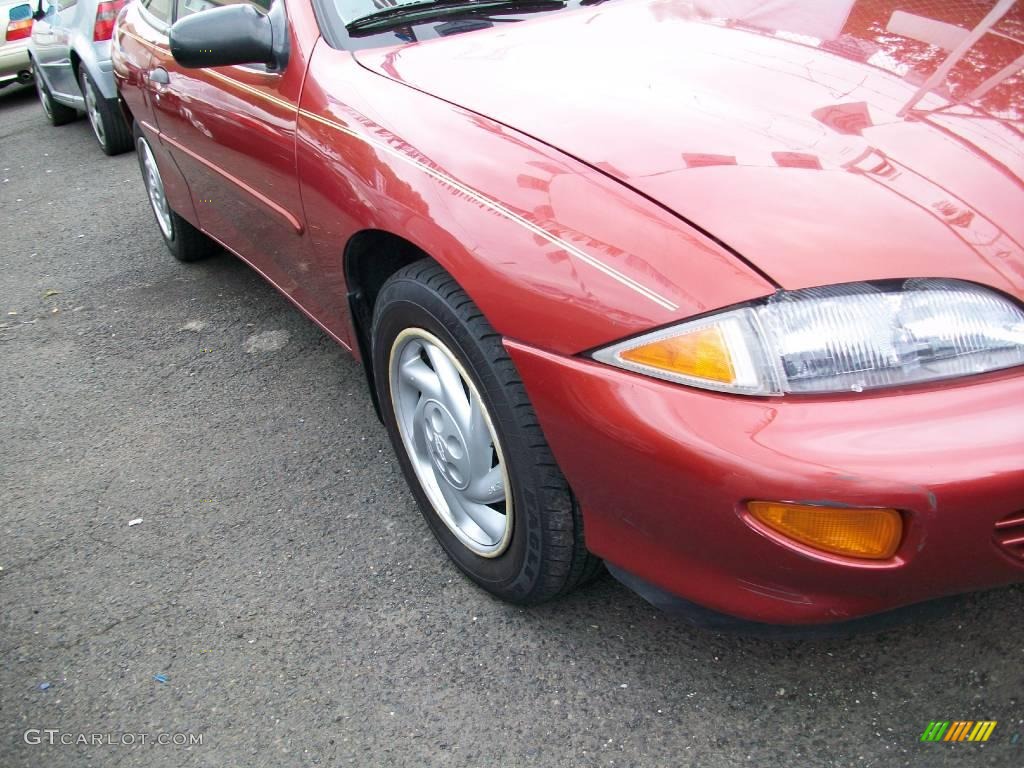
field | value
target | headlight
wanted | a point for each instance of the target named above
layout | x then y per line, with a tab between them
841	338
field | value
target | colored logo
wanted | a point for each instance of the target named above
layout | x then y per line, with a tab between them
958	730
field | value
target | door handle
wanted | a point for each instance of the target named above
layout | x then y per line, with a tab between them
159	76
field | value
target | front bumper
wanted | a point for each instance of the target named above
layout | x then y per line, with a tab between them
662	473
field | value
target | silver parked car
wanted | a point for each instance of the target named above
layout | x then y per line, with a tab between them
70	52
15	30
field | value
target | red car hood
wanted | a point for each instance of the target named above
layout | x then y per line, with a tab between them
791	153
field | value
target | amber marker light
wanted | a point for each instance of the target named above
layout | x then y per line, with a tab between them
701	353
870	534
718	353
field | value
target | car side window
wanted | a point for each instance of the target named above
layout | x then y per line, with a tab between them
188	7
159	9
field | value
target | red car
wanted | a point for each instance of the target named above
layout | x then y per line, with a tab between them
725	294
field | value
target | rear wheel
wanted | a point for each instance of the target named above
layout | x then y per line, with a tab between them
469	443
108	124
56	113
185	242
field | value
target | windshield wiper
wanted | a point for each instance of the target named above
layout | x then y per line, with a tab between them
410	13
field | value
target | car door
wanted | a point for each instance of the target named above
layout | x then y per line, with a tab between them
231	130
141	30
51	38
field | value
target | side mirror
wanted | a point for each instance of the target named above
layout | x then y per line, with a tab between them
229	35
39	13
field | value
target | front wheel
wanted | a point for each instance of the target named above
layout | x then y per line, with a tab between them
469	443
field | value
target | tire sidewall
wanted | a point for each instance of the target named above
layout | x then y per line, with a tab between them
171	242
46	100
409	304
85	82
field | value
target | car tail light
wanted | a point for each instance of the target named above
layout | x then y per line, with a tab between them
19	30
871	534
106	15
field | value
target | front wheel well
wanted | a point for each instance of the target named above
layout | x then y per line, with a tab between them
371	257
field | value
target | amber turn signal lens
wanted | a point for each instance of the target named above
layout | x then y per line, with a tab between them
701	353
873	534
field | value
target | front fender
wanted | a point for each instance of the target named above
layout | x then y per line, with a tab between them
555	254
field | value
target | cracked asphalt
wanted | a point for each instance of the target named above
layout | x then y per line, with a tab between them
284	584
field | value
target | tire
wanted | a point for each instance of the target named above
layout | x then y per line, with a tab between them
528	547
185	242
108	124
55	112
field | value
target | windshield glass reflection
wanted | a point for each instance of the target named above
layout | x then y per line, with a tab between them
959	52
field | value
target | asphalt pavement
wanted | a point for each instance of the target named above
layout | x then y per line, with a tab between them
282	600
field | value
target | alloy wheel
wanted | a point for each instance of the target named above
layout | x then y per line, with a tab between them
92	109
155	187
449	436
44	97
